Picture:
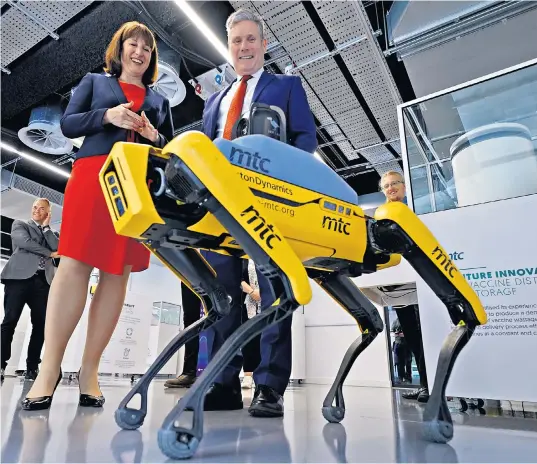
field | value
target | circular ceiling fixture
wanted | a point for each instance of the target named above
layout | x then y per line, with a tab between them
43	133
168	82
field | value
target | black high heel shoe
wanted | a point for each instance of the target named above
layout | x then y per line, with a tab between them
89	401
41	402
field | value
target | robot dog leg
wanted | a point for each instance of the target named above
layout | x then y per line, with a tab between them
124	180
397	230
342	290
205	176
190	267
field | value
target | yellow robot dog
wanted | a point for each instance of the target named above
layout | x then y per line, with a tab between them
256	197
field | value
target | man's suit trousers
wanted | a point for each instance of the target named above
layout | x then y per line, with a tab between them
18	293
274	370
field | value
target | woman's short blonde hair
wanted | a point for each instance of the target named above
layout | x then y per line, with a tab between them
390	173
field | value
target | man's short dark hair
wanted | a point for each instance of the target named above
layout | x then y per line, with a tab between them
245	15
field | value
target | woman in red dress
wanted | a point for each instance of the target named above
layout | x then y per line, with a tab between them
105	109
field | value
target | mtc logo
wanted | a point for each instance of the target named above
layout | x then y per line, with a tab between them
265	231
249	160
445	261
337	225
457	256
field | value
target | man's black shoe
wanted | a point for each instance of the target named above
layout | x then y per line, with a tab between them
31	374
267	402
423	397
183	381
421	394
223	398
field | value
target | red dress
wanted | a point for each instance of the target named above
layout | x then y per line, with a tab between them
87	233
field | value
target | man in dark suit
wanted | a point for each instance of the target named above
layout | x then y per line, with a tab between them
27	277
247	46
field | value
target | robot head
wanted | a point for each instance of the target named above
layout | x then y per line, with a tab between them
262	119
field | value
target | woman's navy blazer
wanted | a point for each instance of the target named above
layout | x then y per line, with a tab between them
97	93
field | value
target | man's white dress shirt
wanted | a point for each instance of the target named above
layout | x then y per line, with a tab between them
228	98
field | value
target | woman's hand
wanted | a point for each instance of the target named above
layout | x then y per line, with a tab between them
148	131
245	287
250	291
122	116
256	296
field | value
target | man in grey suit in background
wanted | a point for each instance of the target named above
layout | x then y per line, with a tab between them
27	277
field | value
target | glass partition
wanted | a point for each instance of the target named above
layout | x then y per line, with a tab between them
167	313
474	143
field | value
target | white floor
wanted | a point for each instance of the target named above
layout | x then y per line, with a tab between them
379	427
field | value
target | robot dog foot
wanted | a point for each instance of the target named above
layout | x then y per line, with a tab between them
188	265
180	442
438	425
342	289
397	229
129	418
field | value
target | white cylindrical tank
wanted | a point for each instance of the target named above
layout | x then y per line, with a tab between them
494	162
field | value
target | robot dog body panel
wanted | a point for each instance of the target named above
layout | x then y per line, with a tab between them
283	180
286	211
438	257
287	165
335	228
291	212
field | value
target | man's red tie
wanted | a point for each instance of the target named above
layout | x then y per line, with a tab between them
235	110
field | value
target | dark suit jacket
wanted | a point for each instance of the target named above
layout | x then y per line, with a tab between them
29	245
287	93
97	93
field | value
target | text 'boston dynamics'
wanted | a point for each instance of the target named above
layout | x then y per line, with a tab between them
277	187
